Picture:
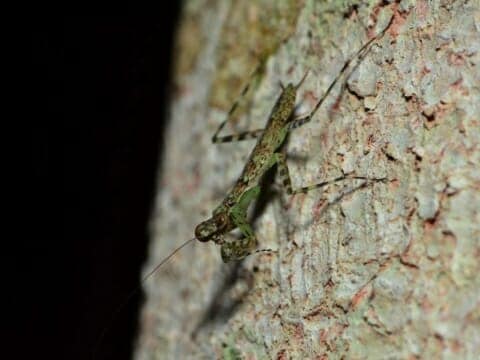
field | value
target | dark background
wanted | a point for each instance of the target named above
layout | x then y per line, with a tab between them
99	87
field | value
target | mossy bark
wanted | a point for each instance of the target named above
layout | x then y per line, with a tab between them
386	271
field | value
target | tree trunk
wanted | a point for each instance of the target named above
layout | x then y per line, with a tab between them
382	271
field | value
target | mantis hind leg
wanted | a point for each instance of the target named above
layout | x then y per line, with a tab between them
359	55
255	78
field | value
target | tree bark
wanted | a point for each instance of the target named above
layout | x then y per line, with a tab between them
383	271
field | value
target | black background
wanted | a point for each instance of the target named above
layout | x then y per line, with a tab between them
99	88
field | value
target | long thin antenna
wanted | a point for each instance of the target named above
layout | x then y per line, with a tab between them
145	278
129	297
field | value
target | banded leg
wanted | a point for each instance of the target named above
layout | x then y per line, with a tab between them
359	55
287	183
246	135
240	248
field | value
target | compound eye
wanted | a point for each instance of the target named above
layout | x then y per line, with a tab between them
220	221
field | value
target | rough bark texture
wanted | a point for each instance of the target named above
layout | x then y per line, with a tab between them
388	271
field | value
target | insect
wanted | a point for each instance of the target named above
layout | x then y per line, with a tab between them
232	211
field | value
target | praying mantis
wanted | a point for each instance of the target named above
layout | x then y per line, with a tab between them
232	212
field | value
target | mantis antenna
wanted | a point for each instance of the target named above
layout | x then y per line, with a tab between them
133	292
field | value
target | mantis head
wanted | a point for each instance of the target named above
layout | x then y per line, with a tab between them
213	228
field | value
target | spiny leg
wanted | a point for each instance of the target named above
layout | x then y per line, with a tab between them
240	248
287	183
359	55
246	135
